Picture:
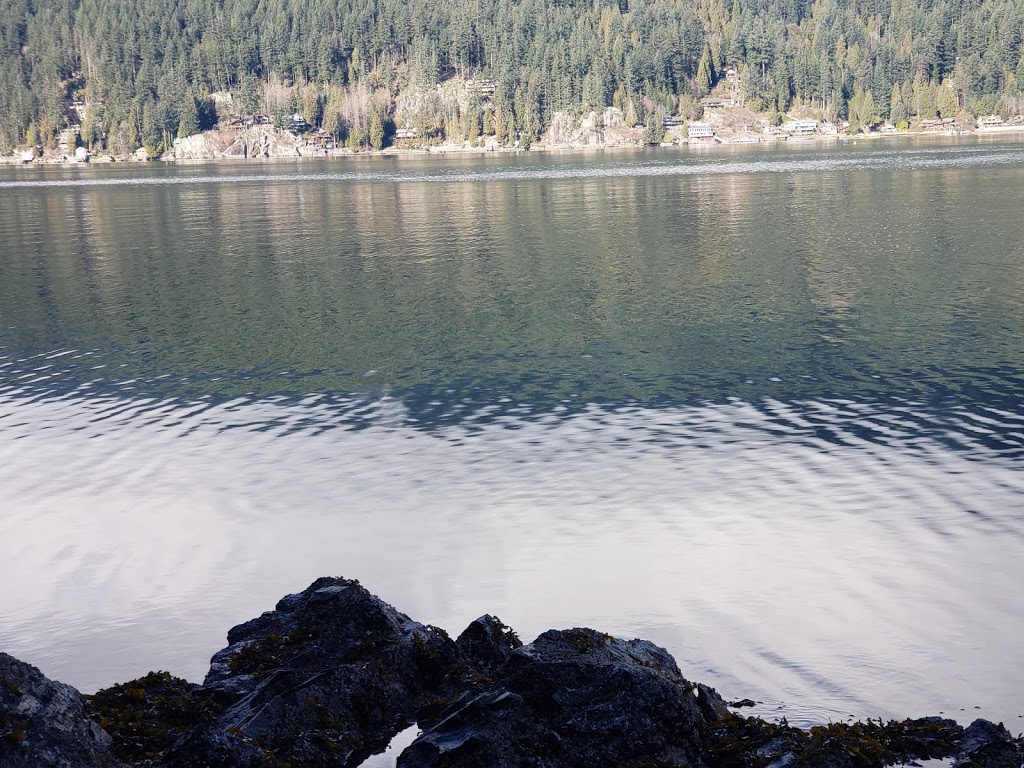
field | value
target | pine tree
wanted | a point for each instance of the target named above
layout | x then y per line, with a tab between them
376	131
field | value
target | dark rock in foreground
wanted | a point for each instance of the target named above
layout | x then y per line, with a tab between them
44	724
331	675
326	679
986	745
572	698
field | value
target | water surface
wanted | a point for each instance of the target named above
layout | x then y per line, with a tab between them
761	406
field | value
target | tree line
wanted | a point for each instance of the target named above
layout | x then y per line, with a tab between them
146	71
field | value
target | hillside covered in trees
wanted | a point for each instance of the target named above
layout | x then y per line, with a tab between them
145	71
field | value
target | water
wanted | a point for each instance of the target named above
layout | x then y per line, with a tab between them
762	406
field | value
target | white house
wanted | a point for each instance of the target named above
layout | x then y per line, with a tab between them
700	131
800	127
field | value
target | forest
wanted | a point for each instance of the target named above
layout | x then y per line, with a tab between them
140	72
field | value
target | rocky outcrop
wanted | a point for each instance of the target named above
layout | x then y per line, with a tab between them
572	698
253	142
326	679
44	724
987	745
333	673
596	129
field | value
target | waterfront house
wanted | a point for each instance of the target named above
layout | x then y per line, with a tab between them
710	103
299	123
800	127
407	133
699	131
989	121
671	121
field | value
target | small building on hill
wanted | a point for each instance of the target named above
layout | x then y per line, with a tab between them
699	131
800	127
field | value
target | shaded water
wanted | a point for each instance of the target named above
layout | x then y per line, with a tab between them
762	407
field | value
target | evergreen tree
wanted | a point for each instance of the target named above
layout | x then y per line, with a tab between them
376	131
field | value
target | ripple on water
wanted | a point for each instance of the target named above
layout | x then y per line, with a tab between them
834	556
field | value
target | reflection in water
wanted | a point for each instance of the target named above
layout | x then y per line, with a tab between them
776	550
762	407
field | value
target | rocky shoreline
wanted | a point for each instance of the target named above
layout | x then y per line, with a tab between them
331	675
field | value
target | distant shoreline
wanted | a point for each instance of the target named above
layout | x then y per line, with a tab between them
1013	132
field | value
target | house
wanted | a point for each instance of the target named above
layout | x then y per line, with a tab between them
407	133
671	121
299	123
732	76
829	129
989	121
800	127
699	131
717	103
321	140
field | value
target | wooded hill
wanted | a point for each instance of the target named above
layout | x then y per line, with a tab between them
144	70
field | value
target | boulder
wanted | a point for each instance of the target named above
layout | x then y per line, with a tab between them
328	678
987	745
572	698
45	724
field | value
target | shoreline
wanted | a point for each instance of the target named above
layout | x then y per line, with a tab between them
333	674
1013	133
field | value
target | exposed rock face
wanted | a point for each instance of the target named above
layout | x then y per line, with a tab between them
44	724
987	745
254	142
597	129
326	679
572	698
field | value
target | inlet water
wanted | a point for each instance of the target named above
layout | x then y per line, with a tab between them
763	407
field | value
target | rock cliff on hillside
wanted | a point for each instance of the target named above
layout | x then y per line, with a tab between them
597	129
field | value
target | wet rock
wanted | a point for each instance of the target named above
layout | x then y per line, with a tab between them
572	698
711	705
987	745
487	644
45	724
743	703
750	742
326	679
147	716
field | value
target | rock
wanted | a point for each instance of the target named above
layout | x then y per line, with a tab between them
743	703
146	716
572	698
987	745
328	678
711	705
44	724
750	742
487	644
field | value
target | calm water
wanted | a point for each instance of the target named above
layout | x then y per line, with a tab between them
764	407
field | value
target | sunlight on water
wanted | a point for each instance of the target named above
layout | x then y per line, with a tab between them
762	407
766	558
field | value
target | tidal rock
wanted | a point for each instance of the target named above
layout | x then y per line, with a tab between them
987	745
487	644
45	724
572	698
750	742
326	679
147	716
